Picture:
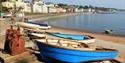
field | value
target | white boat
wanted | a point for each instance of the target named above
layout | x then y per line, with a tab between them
40	24
31	26
36	35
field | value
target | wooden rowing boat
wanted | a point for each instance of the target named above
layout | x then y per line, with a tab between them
74	52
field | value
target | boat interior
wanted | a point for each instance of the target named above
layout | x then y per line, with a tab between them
70	35
71	45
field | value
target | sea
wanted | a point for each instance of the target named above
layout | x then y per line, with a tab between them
93	22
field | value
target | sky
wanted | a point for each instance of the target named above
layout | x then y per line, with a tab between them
120	4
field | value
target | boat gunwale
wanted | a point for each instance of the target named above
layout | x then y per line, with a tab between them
34	30
107	50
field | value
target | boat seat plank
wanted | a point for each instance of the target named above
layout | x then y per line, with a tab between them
66	44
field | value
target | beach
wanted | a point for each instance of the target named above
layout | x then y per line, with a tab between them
102	40
102	36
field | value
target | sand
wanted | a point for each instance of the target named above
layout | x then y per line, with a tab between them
102	40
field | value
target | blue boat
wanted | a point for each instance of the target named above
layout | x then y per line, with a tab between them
80	38
74	52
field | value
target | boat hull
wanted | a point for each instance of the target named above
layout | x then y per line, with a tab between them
36	36
40	24
31	26
75	56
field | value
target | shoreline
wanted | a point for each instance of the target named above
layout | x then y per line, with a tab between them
51	16
113	38
103	40
61	15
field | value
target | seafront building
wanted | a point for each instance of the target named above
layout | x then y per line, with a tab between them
39	6
34	7
14	4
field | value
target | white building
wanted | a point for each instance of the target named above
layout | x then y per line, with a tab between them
45	9
38	6
91	10
41	7
13	3
8	4
78	10
48	8
27	7
52	8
